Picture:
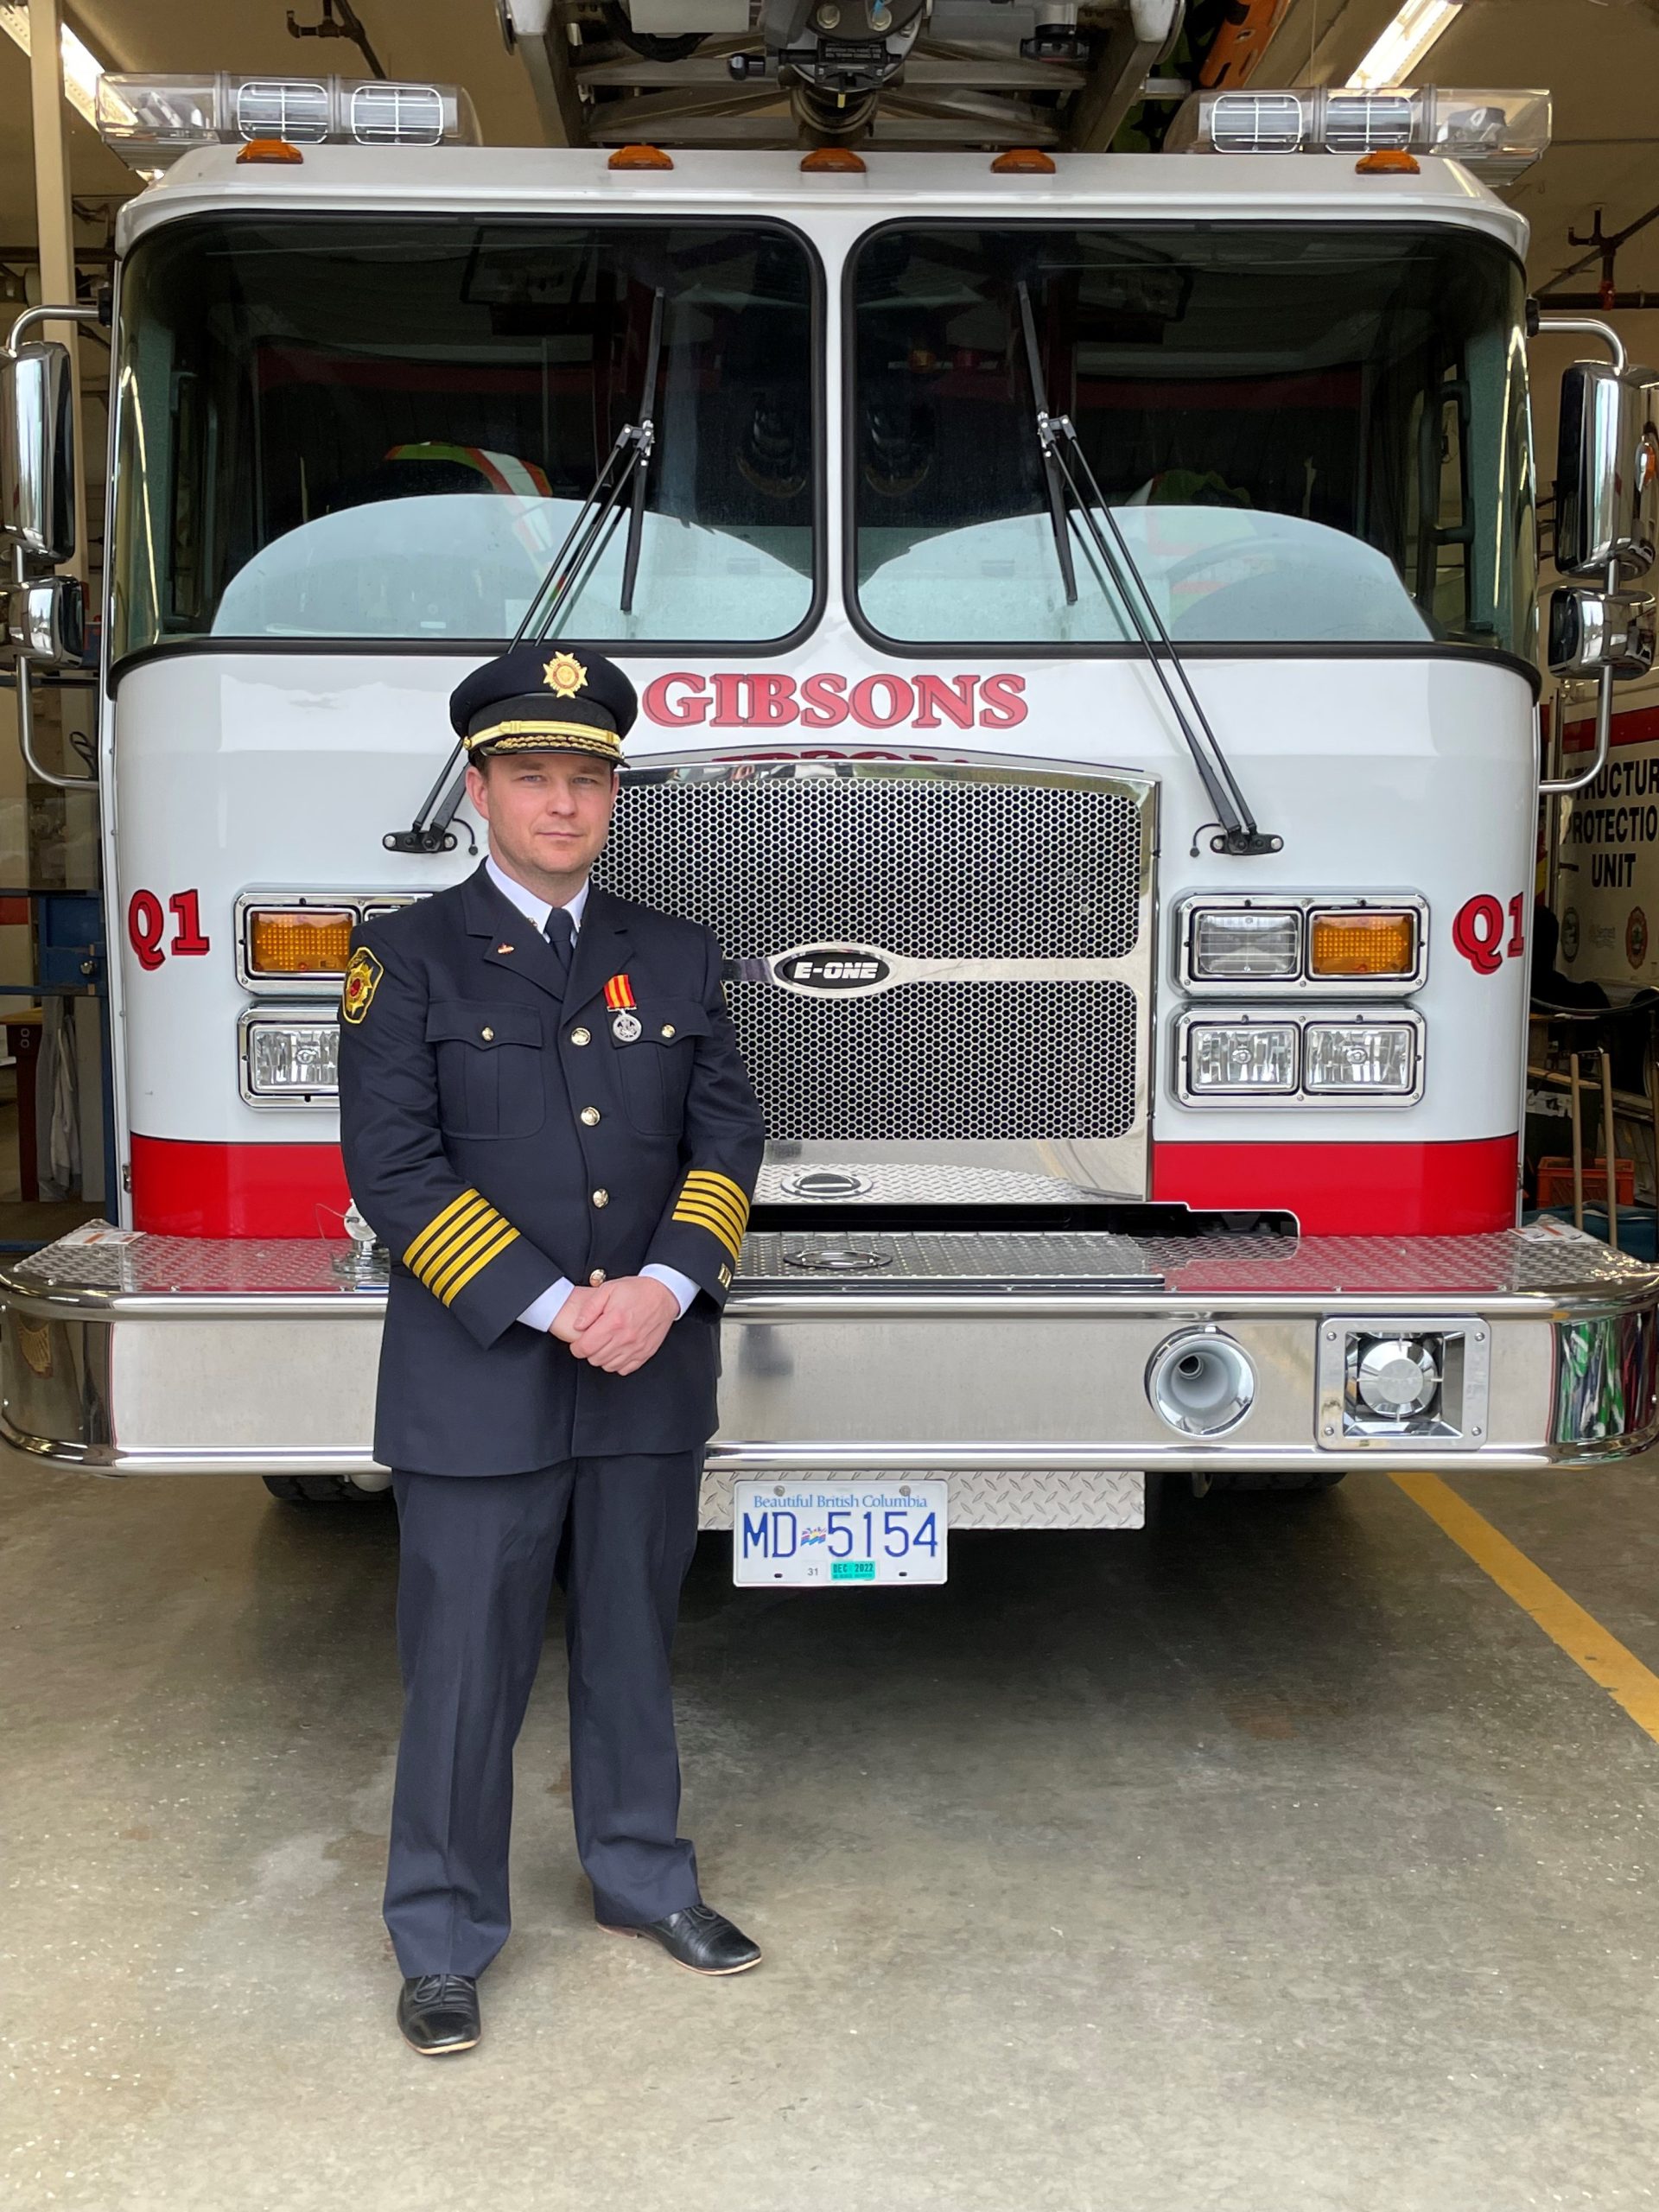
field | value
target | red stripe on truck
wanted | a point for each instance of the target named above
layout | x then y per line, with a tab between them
1362	1190
238	1190
1369	1190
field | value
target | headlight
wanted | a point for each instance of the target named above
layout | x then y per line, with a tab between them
1254	1057
289	1060
1235	944
1355	1058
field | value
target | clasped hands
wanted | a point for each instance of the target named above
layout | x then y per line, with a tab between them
616	1325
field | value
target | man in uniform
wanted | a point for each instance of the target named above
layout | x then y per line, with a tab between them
546	1119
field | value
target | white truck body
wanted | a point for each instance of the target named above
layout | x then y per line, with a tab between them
1000	1319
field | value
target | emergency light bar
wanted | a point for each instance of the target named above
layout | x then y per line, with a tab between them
1497	135
150	121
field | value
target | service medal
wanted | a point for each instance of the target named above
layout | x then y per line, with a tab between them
626	1028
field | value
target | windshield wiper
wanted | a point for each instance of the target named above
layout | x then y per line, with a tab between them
1063	463
1053	484
592	529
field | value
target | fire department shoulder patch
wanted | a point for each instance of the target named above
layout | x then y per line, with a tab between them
363	974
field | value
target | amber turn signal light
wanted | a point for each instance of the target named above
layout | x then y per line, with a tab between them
299	940
270	150
1388	161
1023	160
639	157
832	160
1363	945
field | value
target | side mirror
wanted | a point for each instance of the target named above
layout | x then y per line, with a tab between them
37	452
1607	471
46	621
1594	632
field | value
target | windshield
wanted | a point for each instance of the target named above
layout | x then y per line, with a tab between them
331	428
1306	436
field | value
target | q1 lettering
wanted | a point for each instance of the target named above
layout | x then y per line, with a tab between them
147	927
1481	935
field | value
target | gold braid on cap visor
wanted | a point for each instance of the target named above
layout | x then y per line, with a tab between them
532	737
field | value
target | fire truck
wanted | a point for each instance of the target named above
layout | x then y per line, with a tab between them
1084	607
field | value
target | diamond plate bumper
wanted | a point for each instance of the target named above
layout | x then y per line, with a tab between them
1017	1358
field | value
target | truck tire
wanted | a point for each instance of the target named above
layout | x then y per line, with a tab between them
1297	1482
323	1490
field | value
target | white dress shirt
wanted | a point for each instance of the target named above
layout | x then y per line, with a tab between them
539	1314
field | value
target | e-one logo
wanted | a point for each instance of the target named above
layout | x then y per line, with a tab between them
832	968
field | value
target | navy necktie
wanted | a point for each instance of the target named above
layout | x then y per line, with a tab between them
561	933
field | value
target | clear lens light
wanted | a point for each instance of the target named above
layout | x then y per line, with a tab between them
286	1058
1368	1056
151	120
1233	943
1254	1056
1499	134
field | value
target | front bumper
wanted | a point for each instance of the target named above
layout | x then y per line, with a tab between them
990	1356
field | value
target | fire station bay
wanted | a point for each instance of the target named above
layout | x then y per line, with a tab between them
830	1112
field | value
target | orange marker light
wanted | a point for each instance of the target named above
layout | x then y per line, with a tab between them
270	150
1023	160
1388	161
1363	945
839	160
639	157
299	940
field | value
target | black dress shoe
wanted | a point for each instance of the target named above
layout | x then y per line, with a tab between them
438	2013
699	1938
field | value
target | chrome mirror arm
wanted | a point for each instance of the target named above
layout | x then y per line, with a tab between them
1587	327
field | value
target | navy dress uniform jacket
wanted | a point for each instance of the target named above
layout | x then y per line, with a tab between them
503	1126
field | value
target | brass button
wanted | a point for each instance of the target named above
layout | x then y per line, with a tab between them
488	1035
668	1029
581	1036
590	1116
601	1197
597	1277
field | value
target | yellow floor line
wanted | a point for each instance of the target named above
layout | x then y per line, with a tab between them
1583	1638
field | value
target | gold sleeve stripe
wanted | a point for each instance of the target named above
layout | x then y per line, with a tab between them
441	1277
708	1195
438	1254
692	1217
735	1216
722	1237
714	1186
458	1244
506	1235
468	1201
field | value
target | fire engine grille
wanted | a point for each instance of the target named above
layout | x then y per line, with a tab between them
930	868
942	1062
918	864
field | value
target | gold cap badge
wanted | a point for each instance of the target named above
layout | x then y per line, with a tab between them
564	676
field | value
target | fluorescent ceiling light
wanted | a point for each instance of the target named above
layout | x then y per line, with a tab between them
82	67
1404	44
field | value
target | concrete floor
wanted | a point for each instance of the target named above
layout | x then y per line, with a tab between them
1269	1861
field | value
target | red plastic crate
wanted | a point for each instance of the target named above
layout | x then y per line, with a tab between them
1555	1180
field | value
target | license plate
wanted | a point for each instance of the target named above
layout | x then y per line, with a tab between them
831	1535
